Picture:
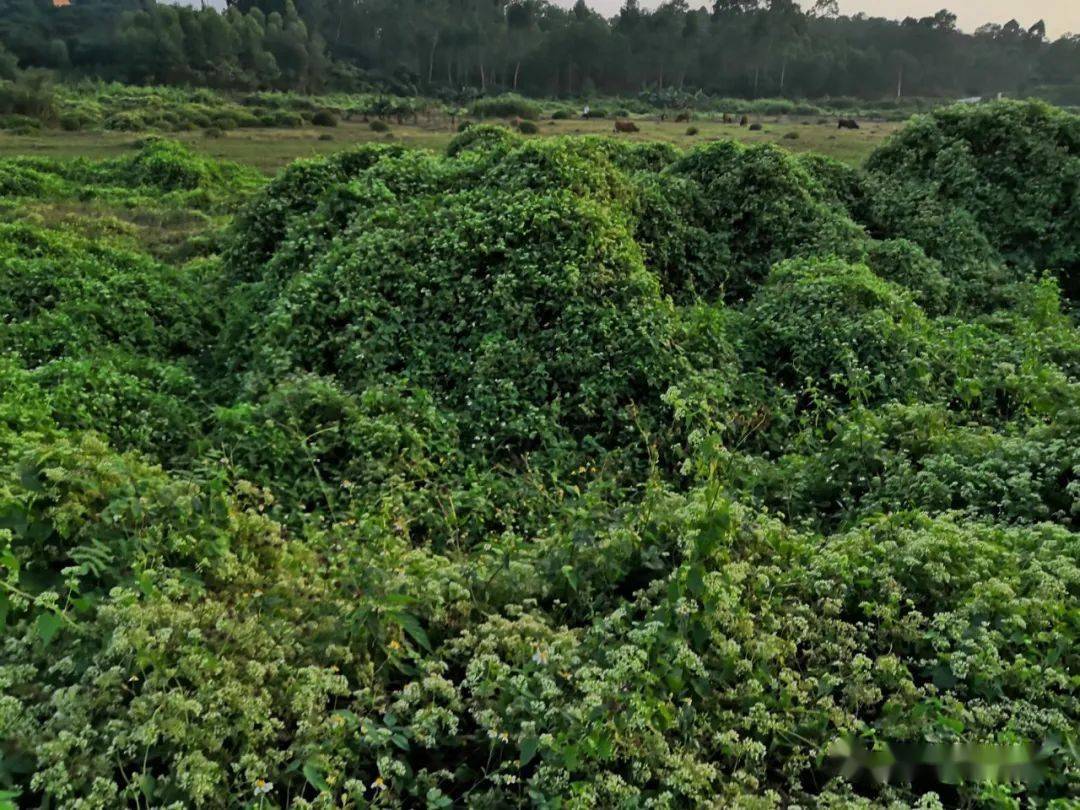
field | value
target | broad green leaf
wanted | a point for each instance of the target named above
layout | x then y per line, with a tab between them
47	626
313	772
529	747
411	625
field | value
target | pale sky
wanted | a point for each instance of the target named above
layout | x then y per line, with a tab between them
1061	15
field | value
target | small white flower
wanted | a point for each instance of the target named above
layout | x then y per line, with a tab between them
540	657
262	787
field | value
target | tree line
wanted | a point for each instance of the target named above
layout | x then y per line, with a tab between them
742	48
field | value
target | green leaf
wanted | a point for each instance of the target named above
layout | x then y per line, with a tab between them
349	717
571	576
436	799
695	580
313	772
148	785
47	626
411	625
952	724
529	747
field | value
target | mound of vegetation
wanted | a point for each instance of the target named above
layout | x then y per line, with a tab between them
540	473
1012	166
508	106
155	167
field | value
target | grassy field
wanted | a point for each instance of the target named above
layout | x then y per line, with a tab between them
270	149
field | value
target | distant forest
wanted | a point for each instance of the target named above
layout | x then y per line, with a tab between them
741	48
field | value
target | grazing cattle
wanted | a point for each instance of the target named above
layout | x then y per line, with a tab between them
848	123
684	118
727	118
626	126
744	120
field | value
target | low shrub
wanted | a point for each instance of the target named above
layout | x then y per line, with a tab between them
129	122
324	118
19	122
839	329
506	106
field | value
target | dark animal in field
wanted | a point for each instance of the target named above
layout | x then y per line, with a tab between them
848	123
744	120
684	118
756	127
727	118
626	126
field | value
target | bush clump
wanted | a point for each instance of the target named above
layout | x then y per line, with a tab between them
324	118
743	210
489	334
506	106
837	327
1013	166
481	137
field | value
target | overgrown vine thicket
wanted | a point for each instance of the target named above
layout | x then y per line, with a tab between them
554	473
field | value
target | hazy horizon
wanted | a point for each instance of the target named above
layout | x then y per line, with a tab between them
1061	16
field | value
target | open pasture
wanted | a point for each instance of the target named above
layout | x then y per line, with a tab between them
269	149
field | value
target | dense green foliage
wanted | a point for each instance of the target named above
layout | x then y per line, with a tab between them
31	102
554	473
462	48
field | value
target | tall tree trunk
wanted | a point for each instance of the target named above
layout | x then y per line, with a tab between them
900	83
517	72
783	75
431	58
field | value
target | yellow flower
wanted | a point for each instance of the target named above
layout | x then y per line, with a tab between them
379	784
504	736
394	645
